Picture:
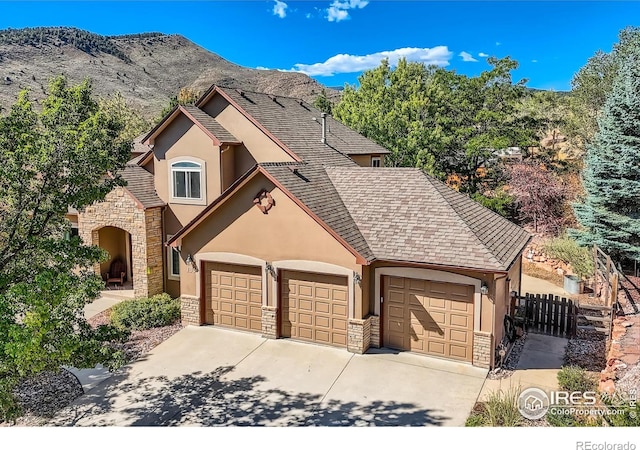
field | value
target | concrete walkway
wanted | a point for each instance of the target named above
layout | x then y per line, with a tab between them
533	285
90	378
211	376
540	360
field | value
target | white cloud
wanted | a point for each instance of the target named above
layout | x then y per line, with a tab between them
262	68
467	57
280	9
534	60
482	55
344	63
308	15
339	10
498	43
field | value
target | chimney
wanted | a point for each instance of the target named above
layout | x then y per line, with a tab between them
324	127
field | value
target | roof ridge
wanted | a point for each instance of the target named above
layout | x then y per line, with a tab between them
298	99
433	182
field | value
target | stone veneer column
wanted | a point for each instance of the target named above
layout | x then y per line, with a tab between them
154	251
358	335
269	322
190	310
482	348
375	331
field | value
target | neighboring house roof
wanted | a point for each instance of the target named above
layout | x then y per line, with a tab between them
138	146
406	215
140	184
311	185
292	122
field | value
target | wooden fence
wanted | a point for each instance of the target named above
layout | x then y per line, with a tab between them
607	277
547	314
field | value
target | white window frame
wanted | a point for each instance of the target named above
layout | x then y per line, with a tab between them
377	159
171	275
202	200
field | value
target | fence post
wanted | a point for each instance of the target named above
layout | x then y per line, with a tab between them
614	289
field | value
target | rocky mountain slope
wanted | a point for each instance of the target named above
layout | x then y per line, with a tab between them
147	69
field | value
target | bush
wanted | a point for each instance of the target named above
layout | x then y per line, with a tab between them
500	410
574	378
568	251
556	419
144	313
627	413
501	203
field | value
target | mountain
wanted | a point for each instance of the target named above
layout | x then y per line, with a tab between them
147	69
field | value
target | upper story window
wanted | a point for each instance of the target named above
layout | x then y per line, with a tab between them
376	161
187	180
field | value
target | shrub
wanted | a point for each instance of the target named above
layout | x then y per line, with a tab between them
574	378
556	418
627	413
476	419
501	409
568	251
144	313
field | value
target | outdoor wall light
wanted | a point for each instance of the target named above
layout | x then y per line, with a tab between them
189	259
484	289
191	265
270	270
356	278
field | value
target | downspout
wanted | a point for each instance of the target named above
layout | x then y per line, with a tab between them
164	251
323	116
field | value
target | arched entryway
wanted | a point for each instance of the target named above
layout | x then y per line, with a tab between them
117	243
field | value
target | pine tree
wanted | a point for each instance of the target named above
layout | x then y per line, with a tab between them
610	213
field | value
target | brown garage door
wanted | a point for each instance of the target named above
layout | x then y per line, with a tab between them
233	296
428	317
314	307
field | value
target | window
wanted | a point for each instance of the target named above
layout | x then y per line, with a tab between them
186	178
173	262
375	161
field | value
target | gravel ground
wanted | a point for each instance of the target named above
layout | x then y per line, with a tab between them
45	394
587	350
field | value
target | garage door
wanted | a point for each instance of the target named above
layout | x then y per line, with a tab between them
428	317
314	307
233	296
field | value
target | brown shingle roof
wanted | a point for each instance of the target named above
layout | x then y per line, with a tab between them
140	184
311	185
211	124
292	122
405	215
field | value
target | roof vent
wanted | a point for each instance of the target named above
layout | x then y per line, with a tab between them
323	116
272	97
241	92
293	169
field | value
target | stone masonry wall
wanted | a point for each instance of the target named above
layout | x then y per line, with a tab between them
269	322
155	251
190	310
358	335
120	210
482	348
375	331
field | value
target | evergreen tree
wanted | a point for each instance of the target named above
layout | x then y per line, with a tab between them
610	213
323	103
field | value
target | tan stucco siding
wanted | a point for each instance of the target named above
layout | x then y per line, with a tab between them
285	233
260	146
114	241
365	160
183	139
515	275
501	301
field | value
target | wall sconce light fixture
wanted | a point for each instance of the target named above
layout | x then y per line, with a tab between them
484	289
191	265
357	278
271	270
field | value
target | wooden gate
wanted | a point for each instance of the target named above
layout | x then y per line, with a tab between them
548	315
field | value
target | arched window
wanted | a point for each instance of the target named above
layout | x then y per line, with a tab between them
186	178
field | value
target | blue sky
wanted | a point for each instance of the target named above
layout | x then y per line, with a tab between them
335	40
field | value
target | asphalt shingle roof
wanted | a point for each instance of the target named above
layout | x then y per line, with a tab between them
292	122
406	215
141	185
211	124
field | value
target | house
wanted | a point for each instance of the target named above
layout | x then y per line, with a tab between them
265	215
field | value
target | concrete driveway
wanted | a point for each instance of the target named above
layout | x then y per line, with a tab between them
208	376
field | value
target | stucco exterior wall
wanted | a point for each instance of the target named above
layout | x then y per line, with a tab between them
120	210
285	233
260	146
365	160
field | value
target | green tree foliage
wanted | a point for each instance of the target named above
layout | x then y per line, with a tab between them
50	160
323	103
592	84
545	113
134	124
186	96
436	119
610	212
